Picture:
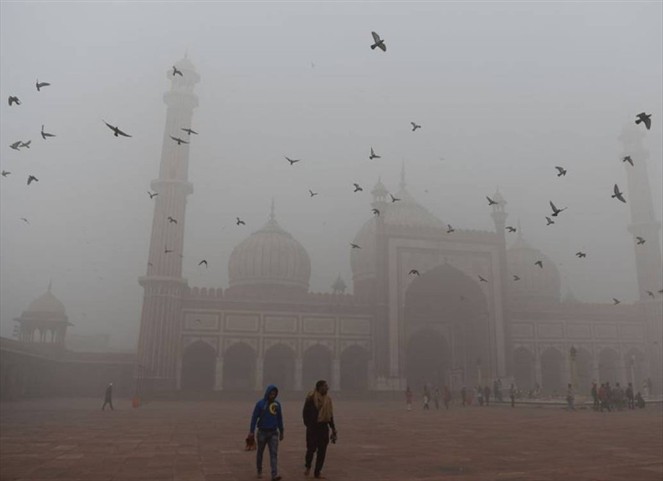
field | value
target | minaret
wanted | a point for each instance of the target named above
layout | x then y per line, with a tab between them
158	342
503	352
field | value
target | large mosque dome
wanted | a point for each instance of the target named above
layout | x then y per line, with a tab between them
536	285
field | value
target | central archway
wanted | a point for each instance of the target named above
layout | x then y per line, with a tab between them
279	367
551	371
198	367
317	365
428	359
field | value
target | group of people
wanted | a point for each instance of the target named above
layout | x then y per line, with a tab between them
318	416
481	394
606	397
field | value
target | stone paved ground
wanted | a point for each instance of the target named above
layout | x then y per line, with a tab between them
202	441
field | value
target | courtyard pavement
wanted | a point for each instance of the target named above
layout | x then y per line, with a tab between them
203	441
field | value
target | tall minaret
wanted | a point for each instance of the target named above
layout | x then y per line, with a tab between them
158	342
647	255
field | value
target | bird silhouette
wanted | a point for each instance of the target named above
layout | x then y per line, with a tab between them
560	171
651	294
311	193
555	210
450	229
190	131
373	155
376	212
26	144
39	85
511	228
292	161
644	118
152	195
116	130
516	278
5	173
628	159
13	100
178	140
177	72
167	251
413	272
172	220
25	220
660	291
618	195
357	188
32	178
481	279
539	263
378	42
394	199
355	246
640	240
549	221
203	262
615	301
415	126
491	201
239	221
580	255
45	135
16	145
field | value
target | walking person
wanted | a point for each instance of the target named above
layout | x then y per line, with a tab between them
426	397
486	395
512	395
408	398
108	397
630	399
268	418
446	397
570	397
436	397
318	414
463	395
595	397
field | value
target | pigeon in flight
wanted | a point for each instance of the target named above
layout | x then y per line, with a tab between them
172	220
373	155
539	263
26	144
549	221
15	145
292	161
357	188
39	85
152	195
177	72
450	229
560	171
13	100
116	130
555	210
167	250
640	240
311	193
413	272
511	228
415	126
481	279
644	118
25	220
516	278
45	135
178	140
5	173
651	294
239	221
491	201
618	195
355	246
190	131
628	159
203	262
580	255
378	42
375	212
394	199
32	178
615	301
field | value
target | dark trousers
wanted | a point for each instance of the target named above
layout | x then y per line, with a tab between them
109	402
317	439
271	440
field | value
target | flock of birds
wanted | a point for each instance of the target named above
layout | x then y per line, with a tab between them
641	118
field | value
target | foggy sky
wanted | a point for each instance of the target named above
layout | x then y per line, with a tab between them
504	92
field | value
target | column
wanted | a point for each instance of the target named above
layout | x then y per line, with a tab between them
218	378
299	365
537	371
259	369
336	375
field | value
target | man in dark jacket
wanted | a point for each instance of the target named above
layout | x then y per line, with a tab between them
108	397
268	417
318	416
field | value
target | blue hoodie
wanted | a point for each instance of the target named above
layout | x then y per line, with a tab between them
267	416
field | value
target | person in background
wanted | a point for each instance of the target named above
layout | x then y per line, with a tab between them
108	397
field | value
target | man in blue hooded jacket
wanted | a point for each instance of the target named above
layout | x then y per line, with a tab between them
268	417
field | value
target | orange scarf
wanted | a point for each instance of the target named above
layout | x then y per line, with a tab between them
324	406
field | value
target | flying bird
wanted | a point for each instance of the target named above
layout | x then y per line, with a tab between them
413	272
539	263
615	301
415	126
394	199
177	72
13	100
152	195
640	240
5	173
555	210
511	228
580	255
292	161
375	212
203	262
491	201
357	188
44	135
311	193
560	171
167	251
178	140
32	178
481	279
355	246
549	221
651	294
644	118
628	159
116	130
373	155
26	144
618	195
39	85
172	220
378	42
25	220
190	131
239	221
450	229
516	278
15	145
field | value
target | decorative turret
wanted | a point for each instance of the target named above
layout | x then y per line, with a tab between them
339	286
44	321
